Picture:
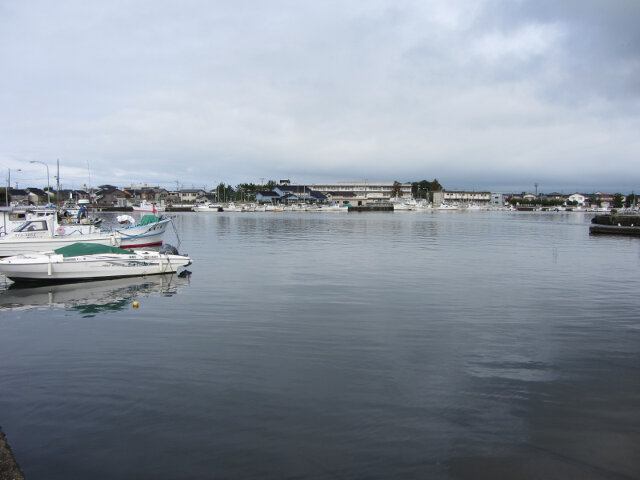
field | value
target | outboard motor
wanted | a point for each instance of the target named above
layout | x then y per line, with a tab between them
169	250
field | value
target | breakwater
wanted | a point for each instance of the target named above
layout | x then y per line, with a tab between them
371	208
619	224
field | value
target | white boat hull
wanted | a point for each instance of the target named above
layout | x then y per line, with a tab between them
138	236
14	245
54	267
207	208
52	236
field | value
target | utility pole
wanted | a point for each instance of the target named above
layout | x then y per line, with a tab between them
58	184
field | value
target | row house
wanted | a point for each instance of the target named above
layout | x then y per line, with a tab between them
151	194
110	195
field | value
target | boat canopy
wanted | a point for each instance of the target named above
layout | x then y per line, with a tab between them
148	219
79	249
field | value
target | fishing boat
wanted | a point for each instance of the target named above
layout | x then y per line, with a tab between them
146	233
448	206
148	207
45	233
38	234
72	209
88	261
207	207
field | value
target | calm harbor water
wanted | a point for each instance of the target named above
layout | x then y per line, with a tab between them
390	345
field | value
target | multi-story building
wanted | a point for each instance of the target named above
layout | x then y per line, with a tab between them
361	193
460	196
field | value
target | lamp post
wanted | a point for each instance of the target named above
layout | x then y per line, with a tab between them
48	185
6	192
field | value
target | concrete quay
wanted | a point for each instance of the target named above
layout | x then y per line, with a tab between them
616	223
371	208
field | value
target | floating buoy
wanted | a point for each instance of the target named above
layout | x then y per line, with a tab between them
136	304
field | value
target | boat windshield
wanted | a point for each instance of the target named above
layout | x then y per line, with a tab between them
33	226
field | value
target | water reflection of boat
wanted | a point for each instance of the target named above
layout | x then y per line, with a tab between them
91	297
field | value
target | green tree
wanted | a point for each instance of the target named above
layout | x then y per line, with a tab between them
435	186
424	188
420	189
631	200
396	190
618	200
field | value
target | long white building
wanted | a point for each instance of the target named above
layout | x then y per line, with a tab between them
363	192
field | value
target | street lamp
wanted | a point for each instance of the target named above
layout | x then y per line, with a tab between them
48	185
6	192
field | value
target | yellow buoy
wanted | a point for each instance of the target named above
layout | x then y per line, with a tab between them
136	304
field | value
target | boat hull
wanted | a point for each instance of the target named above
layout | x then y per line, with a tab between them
11	245
55	268
139	236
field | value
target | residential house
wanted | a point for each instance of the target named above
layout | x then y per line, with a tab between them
151	194
36	196
109	195
301	192
18	196
267	197
578	198
190	195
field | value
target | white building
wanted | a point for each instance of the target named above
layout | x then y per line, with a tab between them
464	197
577	197
361	193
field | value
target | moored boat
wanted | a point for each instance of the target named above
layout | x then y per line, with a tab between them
39	234
146	233
45	233
148	207
86	261
207	207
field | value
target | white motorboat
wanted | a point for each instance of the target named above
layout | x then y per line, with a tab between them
86	261
403	204
148	207
448	206
39	234
207	207
334	207
45	233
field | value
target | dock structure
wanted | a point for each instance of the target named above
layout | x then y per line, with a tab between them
9	468
616	223
371	208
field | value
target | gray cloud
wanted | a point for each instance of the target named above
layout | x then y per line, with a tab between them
484	95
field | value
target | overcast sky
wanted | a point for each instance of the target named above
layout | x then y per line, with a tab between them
483	95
